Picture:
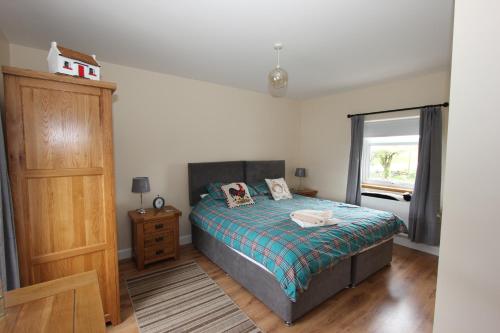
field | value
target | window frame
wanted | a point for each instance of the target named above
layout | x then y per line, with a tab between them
365	166
68	66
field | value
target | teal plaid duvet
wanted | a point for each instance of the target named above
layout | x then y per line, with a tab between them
265	233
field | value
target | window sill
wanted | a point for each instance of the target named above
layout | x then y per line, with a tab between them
383	195
386	188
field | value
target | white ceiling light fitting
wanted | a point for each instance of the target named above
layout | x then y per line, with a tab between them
278	77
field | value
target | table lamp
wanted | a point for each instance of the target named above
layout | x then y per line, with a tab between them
301	173
140	185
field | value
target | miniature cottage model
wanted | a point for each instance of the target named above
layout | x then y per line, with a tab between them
70	62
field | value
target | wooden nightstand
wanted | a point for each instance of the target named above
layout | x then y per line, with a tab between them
155	235
306	192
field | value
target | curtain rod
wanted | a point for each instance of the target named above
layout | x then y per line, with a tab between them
445	104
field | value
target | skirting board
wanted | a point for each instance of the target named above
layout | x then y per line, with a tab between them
402	239
127	253
186	239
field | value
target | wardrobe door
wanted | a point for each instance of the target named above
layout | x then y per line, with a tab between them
60	152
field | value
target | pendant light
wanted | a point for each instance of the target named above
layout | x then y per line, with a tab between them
278	77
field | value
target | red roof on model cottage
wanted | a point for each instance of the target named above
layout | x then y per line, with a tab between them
72	54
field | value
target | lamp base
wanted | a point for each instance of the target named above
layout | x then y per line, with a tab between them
141	211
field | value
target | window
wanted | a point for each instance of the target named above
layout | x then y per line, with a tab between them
390	161
91	71
67	65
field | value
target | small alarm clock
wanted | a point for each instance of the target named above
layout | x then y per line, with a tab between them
158	202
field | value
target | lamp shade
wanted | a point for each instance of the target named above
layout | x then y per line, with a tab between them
278	82
300	172
140	185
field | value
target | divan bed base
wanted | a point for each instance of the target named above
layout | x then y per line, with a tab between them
368	262
263	284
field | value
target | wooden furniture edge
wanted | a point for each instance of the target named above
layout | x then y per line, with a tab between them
305	192
45	289
111	262
57	77
141	218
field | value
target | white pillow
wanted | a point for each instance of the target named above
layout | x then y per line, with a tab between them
279	189
237	194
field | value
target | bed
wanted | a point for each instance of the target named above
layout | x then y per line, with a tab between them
290	269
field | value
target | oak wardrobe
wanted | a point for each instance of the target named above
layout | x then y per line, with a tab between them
60	151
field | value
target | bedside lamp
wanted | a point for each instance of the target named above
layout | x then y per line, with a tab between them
140	185
301	173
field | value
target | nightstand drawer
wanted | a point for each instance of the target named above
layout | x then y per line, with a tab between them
159	238
159	251
159	226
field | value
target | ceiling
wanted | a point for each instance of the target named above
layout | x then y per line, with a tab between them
328	44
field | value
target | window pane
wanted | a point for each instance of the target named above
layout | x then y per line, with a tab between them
393	163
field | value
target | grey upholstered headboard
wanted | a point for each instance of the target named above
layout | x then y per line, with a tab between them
200	174
256	171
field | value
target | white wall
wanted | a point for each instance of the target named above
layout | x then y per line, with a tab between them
4	60
162	122
325	128
468	288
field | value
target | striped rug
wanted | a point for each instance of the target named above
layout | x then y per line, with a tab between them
185	299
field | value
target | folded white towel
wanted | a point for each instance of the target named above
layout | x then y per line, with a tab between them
307	218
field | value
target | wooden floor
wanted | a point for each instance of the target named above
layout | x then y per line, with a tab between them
400	298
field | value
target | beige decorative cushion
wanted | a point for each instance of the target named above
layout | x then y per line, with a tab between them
237	195
279	189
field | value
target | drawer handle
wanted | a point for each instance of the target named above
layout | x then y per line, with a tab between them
158	239
158	226
159	252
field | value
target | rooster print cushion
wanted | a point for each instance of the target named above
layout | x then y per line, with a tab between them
237	194
215	190
279	189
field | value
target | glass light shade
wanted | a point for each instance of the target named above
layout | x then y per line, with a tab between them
277	82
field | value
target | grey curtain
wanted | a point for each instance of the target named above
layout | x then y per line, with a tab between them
9	268
353	193
424	226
